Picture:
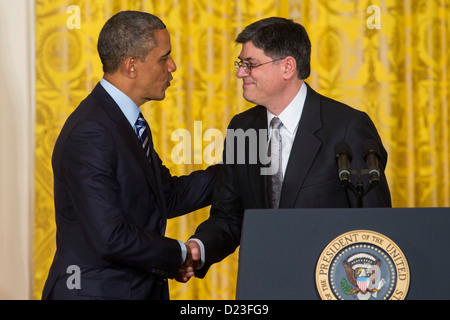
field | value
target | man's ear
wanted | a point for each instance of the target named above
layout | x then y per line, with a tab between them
128	67
290	67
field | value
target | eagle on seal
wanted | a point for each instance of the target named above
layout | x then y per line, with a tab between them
362	271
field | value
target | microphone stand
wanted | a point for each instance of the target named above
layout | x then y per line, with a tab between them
359	191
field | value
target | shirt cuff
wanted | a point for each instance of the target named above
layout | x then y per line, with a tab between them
202	252
183	251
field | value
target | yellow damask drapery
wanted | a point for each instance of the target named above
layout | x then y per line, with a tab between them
388	58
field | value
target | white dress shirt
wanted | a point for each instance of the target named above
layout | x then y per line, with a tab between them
290	117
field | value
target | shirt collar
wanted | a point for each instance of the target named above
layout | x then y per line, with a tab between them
128	107
290	116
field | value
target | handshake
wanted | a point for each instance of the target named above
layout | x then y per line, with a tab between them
192	262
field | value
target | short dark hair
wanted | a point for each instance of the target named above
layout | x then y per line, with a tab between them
127	34
279	38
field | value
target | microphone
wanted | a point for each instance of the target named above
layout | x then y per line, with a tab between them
371	153
343	158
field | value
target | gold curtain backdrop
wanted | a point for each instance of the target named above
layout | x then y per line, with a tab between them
387	58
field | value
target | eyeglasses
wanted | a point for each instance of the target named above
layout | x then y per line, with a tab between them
249	67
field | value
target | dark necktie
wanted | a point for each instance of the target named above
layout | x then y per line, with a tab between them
142	132
275	180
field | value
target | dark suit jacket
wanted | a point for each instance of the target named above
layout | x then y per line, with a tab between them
111	207
311	177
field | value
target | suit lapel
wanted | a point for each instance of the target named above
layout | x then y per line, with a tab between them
304	149
258	181
131	140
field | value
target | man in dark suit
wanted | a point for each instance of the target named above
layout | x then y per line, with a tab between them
274	61
112	193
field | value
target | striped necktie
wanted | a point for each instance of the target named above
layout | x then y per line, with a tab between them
142	132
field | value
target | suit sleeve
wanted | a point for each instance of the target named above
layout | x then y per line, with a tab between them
221	232
88	169
360	129
188	193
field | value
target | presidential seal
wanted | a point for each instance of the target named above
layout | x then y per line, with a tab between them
362	265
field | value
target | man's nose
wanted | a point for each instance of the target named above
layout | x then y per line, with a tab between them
240	73
172	65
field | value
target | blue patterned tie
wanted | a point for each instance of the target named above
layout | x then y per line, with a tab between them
275	180
142	132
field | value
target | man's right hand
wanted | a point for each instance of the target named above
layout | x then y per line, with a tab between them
193	260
